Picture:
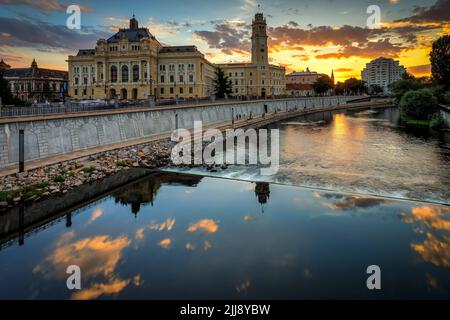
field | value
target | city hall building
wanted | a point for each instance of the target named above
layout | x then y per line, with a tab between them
133	65
258	78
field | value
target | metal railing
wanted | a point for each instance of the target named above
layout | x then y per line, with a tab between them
75	107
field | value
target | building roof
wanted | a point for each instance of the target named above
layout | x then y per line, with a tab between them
34	72
178	49
4	65
86	52
132	35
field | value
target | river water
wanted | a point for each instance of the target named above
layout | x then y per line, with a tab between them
181	236
365	152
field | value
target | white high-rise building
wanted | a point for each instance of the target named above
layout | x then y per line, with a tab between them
382	72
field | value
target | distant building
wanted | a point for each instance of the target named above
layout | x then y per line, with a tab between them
300	84
36	83
258	78
382	72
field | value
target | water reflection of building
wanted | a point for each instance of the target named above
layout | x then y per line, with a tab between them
144	191
262	192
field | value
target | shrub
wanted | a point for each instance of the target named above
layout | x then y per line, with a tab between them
437	121
419	104
447	97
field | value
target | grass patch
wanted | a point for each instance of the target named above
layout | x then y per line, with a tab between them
121	163
59	178
88	169
8	196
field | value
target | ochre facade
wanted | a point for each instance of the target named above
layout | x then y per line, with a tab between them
133	65
258	78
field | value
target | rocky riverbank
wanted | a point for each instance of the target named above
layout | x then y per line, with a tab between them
58	179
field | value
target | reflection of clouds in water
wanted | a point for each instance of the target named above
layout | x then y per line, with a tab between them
206	246
139	235
434	250
433	222
207	225
165	243
166	225
114	286
243	287
432	281
347	202
433	217
96	256
95	215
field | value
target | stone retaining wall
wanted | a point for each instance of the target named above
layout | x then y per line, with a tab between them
58	134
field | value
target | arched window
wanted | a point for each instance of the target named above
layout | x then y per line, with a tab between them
135	73
113	74
124	74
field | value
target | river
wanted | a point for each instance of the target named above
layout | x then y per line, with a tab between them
309	233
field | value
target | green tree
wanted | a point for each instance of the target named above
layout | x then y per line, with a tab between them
419	105
447	97
339	88
355	86
407	76
400	87
376	89
222	84
440	61
322	85
5	91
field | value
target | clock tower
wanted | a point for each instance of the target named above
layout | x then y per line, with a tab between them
260	55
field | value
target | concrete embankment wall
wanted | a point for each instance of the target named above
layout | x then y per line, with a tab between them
57	134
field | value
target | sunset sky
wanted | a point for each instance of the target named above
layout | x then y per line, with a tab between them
319	34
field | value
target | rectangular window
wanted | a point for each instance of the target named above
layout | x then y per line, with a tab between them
181	79
172	79
76	92
181	90
191	78
171	90
191	90
162	79
162	90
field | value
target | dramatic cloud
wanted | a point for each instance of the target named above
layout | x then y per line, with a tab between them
343	70
439	12
229	36
371	50
27	32
44	6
